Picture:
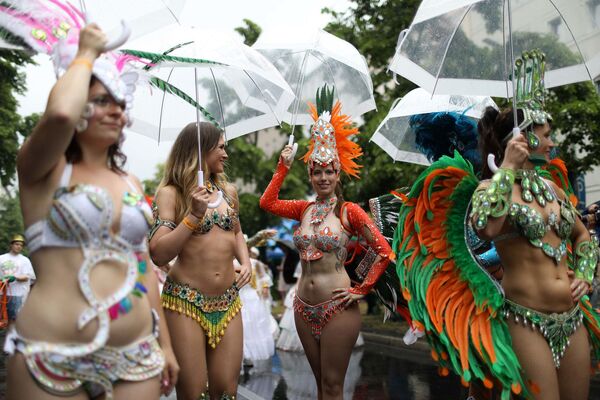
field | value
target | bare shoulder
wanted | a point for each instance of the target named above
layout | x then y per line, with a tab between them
136	181
231	190
166	199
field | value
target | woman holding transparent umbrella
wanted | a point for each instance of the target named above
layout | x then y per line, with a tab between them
326	306
201	293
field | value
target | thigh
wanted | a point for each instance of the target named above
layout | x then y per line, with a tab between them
225	360
574	371
21	385
337	342
189	345
535	358
311	346
148	389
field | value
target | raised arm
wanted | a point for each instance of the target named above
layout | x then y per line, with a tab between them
270	201
49	140
379	252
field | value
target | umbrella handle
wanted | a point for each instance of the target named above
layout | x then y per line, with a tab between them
491	159
119	39
294	146
116	41
219	199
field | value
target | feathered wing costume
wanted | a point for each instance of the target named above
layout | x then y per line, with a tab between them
450	293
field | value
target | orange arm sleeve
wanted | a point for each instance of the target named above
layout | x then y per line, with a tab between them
270	201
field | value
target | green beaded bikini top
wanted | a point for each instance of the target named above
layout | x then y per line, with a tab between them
225	220
529	221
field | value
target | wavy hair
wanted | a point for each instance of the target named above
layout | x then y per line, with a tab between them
181	167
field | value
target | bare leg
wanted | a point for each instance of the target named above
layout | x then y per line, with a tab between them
337	341
189	345
574	371
148	389
536	360
21	385
224	361
312	349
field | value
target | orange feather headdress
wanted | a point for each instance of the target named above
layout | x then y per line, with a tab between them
330	136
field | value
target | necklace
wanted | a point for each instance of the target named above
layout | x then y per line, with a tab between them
321	209
210	186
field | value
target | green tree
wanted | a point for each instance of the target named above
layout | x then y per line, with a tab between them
250	32
12	82
11	222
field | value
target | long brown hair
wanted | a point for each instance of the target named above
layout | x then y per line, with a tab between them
116	158
182	164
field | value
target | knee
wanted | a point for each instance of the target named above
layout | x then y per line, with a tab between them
332	385
191	392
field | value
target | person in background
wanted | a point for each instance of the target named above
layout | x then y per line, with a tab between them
17	269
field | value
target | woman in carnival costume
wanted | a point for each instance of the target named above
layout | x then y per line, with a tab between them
91	325
326	309
525	335
201	293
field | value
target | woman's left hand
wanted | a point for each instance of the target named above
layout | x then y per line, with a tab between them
346	296
168	377
244	273
579	287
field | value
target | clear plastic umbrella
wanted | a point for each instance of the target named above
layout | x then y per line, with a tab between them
142	16
232	85
308	60
465	46
394	134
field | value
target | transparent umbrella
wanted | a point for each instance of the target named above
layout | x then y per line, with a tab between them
232	85
308	60
394	134
465	46
142	16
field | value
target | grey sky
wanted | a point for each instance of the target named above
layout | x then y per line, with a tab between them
223	16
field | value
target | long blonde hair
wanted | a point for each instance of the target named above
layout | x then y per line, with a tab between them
182	165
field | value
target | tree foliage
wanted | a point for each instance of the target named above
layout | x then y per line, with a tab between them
12	82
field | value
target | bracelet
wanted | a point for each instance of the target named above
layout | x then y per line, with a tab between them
189	224
586	259
83	61
495	199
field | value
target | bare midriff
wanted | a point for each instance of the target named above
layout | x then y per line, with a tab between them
206	262
320	277
55	303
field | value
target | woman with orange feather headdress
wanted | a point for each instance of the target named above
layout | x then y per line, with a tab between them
326	309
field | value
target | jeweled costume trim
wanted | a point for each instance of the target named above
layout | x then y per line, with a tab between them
212	313
556	328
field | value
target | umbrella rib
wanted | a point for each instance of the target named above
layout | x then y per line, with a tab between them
218	101
162	105
299	86
171	12
437	75
574	40
263	96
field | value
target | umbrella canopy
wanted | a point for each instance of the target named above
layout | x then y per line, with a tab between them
464	46
142	16
394	134
308	60
234	86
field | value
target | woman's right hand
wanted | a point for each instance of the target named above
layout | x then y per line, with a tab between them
286	156
516	153
91	41
200	200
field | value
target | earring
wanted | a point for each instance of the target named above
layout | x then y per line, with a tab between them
81	125
88	110
532	140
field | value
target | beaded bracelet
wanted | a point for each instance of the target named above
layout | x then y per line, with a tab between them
493	200
586	259
189	224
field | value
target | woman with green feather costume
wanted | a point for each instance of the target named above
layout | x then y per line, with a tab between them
522	336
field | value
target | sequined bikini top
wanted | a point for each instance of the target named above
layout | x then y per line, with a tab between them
81	215
530	224
312	245
226	220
